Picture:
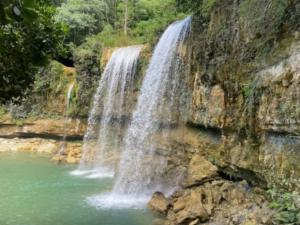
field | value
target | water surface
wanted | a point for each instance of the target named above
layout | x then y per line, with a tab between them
35	191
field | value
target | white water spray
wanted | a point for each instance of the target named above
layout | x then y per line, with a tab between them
103	135
162	104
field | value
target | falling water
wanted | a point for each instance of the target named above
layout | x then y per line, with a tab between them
163	103
103	135
68	99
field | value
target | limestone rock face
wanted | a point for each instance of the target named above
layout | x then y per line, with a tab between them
247	92
279	109
28	145
200	170
43	128
37	145
209	106
49	148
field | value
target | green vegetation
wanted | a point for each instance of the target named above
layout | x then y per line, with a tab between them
116	22
50	80
87	63
73	32
260	18
83	18
19	110
2	112
108	24
285	206
189	5
50	88
200	7
28	38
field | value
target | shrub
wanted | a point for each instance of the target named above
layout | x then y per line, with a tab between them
285	206
83	17
50	88
19	108
87	62
27	41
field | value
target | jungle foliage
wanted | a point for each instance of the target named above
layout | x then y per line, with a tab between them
34	31
29	36
97	24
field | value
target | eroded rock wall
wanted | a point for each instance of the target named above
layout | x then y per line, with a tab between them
246	89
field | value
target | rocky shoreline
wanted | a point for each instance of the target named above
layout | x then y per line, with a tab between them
43	136
207	198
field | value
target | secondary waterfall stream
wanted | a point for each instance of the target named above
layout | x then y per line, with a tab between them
162	104
111	102
68	99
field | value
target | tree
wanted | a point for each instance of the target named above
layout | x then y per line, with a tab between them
125	17
28	36
83	17
152	17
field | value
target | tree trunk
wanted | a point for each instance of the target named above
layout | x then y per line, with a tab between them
126	18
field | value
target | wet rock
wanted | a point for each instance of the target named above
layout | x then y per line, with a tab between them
28	145
58	158
159	221
47	148
195	222
200	171
71	160
159	203
219	202
189	208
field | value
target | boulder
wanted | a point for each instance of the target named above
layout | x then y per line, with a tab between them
159	203
200	171
193	209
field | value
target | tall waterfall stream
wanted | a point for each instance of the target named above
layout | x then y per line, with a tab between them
162	104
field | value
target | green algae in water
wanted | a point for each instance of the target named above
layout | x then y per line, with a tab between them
35	191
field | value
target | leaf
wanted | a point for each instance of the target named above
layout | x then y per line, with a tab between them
29	3
2	14
29	15
274	205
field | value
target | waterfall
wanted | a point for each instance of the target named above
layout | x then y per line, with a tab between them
63	145
109	112
162	104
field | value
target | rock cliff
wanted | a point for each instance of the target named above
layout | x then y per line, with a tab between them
245	82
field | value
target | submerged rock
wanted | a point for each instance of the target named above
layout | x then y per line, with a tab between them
72	154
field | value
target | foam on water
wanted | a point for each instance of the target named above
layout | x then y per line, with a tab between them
115	201
94	173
